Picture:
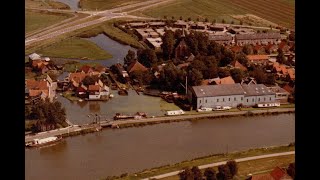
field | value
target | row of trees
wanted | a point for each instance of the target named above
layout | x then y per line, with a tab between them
225	172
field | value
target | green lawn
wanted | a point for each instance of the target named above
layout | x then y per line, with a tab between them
101	5
37	20
75	48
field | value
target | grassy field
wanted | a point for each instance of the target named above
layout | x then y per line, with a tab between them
259	166
243	170
101	5
45	4
277	11
37	20
75	48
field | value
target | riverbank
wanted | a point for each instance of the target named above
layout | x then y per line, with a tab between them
194	117
77	130
207	160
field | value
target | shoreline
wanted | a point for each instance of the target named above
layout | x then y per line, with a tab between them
84	129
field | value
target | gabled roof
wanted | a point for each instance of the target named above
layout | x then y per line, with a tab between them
34	56
33	84
256	90
100	68
94	88
288	88
278	174
270	46
236	64
225	80
33	93
86	68
191	58
236	49
258	36
77	77
292	73
276	66
218	90
136	66
283	44
257	57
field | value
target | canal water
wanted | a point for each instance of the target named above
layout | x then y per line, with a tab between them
118	50
77	112
73	4
116	151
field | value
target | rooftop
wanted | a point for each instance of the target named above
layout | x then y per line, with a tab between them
256	89
218	90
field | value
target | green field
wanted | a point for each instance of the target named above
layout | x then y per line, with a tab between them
244	168
277	11
75	48
101	5
37	20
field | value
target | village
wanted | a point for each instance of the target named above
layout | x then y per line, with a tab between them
246	68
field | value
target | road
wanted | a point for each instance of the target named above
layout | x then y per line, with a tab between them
102	16
224	162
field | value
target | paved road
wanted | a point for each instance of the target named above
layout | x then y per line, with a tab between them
224	162
102	16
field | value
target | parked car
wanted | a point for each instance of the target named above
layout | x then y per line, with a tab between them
204	109
221	108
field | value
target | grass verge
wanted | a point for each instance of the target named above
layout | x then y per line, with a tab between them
102	5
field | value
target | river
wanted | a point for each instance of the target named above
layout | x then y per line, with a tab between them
116	151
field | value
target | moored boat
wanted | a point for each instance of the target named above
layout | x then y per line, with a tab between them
44	141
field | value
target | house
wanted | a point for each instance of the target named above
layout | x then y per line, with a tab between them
136	66
137	25
258	59
229	95
225	80
34	56
154	43
257	38
157	24
76	78
238	65
180	24
284	47
236	49
81	92
197	25
281	94
277	174
217	27
94	92
292	73
271	48
146	33
86	69
224	39
100	68
259	49
45	88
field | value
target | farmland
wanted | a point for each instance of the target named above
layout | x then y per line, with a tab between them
37	20
277	11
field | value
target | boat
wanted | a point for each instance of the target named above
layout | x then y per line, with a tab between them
122	116
176	112
123	92
111	95
44	141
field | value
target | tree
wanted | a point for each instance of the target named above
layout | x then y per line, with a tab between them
189	18
167	45
164	17
214	21
130	57
232	22
242	58
147	57
210	174
247	49
280	57
197	174
88	80
194	77
223	21
237	75
198	19
259	75
270	79
186	174
181	18
206	20
292	36
172	17
223	72
224	173
292	170
241	23
233	166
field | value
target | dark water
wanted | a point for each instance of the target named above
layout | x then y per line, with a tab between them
118	51
113	152
77	112
73	4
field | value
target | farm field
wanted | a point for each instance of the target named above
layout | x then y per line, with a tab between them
37	20
281	12
102	5
75	48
